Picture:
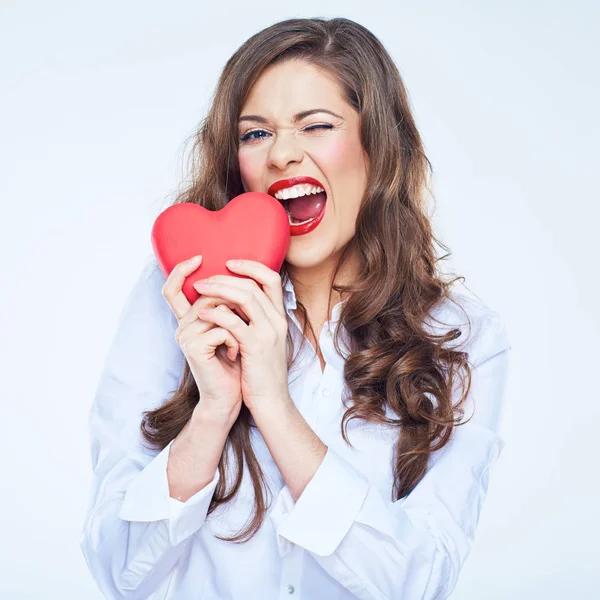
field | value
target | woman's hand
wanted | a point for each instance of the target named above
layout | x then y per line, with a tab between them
211	351
262	341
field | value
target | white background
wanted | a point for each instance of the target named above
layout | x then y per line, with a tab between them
97	102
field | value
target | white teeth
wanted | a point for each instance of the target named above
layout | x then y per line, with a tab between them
298	190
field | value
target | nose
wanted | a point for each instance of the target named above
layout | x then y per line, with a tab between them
284	150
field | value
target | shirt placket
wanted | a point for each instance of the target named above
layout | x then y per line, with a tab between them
291	574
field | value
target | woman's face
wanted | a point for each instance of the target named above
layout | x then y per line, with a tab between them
279	148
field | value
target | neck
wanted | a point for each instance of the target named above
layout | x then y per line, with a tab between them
312	285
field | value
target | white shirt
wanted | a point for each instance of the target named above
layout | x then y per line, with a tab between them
344	538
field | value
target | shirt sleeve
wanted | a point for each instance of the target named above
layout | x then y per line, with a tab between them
134	531
412	548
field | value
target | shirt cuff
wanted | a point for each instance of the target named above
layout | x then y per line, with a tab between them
327	508
147	499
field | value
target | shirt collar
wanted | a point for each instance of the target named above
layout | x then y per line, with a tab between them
289	295
330	355
289	300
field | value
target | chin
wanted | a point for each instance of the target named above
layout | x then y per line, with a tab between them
306	256
303	260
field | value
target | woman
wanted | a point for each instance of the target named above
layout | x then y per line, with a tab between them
316	438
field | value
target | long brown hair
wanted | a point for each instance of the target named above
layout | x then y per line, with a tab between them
395	363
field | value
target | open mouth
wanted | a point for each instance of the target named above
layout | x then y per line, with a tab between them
303	203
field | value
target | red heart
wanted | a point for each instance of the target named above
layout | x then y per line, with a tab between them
252	226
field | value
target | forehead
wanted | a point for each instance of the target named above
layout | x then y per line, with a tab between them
289	87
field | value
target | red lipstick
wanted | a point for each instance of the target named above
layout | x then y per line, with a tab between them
290	182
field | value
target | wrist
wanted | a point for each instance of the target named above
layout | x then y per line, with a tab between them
220	421
273	409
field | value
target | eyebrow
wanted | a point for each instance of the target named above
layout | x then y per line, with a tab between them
297	117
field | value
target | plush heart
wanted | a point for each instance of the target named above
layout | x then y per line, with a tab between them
252	226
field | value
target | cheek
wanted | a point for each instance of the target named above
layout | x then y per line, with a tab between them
342	163
250	168
335	157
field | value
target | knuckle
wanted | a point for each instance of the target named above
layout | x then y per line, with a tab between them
205	301
190	345
202	302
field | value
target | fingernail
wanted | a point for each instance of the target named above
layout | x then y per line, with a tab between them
194	259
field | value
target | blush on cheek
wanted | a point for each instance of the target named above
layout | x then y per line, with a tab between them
342	162
342	154
250	170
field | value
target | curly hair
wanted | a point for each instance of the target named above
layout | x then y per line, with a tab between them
396	367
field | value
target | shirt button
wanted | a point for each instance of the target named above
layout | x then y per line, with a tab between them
290	589
329	334
326	392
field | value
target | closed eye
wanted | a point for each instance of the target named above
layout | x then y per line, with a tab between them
248	136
